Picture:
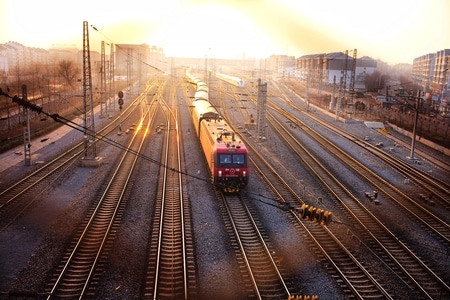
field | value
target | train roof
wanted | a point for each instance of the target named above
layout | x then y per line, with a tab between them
225	139
205	110
201	95
203	88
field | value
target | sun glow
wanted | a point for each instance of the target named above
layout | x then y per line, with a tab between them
212	29
394	31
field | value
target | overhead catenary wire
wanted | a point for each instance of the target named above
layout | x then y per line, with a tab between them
120	48
57	118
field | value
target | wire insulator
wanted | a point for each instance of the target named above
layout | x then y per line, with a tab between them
27	104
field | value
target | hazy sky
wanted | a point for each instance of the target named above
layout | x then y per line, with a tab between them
395	31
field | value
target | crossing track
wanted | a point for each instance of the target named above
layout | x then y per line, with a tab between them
79	270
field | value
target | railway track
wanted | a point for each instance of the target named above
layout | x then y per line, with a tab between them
432	156
437	160
79	270
20	196
264	279
398	255
432	185
171	272
433	223
426	282
355	279
15	199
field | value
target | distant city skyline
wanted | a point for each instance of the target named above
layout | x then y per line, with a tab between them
395	31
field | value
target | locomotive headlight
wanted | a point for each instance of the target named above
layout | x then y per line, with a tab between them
219	173
244	173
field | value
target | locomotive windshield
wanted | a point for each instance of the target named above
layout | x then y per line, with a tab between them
232	159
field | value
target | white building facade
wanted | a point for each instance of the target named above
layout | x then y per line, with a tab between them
431	73
329	68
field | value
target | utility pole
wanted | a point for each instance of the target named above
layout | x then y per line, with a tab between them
306	91
416	118
445	83
139	72
26	130
206	69
90	156
350	103
111	74
129	70
261	106
342	85
103	104
416	109
333	99
320	69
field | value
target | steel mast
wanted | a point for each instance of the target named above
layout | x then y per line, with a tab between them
90	155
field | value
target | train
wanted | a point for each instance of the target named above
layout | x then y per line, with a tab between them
225	153
231	79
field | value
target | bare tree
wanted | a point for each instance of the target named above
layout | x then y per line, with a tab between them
68	70
374	81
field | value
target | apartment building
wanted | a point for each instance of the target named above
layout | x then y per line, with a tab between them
431	72
328	68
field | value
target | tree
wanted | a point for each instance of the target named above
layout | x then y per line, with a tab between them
68	70
372	81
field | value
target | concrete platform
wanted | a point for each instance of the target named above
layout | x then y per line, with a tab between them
374	125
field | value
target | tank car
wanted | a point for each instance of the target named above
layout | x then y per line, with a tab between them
201	94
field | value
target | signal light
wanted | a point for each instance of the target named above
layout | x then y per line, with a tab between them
120	101
314	214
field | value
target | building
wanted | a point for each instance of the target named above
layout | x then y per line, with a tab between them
15	57
60	52
281	64
431	73
329	68
132	59
4	65
364	66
